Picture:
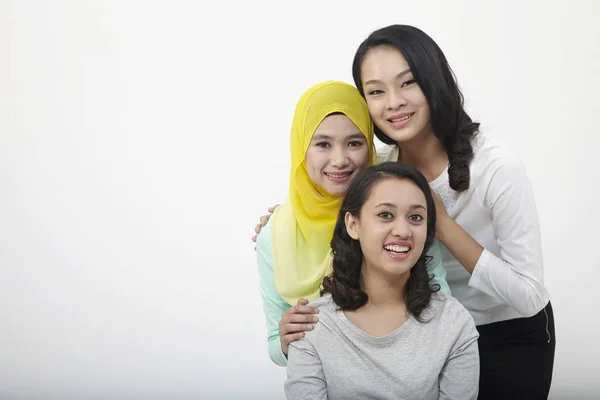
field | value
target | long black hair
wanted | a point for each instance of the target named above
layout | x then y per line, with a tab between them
449	120
344	283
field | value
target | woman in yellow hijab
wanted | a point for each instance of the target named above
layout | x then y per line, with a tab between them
331	140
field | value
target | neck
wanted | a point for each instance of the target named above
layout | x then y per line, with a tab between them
384	290
426	153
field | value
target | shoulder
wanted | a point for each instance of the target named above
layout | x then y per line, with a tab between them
387	153
490	153
324	304
328	318
490	156
447	311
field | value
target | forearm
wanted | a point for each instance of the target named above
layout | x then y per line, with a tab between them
436	270
275	352
462	245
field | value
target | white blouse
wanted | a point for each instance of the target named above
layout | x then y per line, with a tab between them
498	211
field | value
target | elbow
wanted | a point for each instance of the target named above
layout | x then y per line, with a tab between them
281	361
534	300
276	354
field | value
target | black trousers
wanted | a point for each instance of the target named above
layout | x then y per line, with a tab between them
517	357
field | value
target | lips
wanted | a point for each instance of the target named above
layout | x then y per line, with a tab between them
400	120
338	177
398	250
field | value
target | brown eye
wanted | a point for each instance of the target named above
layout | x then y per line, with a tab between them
408	82
385	215
416	218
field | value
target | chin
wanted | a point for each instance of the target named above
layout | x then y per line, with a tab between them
400	269
402	137
336	190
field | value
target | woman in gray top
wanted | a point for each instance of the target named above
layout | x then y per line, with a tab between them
383	332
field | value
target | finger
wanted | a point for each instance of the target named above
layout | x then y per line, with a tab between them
264	219
300	310
292	338
257	228
254	238
302	302
301	319
294	328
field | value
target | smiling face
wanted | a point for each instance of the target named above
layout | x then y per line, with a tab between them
396	103
391	228
337	151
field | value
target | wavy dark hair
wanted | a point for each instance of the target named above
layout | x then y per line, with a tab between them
449	120
344	283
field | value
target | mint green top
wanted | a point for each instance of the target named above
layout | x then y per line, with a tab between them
274	305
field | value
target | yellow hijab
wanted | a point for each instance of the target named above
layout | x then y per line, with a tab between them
302	227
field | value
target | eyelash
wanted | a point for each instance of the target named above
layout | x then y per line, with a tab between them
387	216
419	219
405	84
381	214
354	143
408	82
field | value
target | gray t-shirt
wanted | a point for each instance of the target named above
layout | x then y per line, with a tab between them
436	359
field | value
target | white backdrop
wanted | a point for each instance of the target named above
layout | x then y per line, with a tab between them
140	142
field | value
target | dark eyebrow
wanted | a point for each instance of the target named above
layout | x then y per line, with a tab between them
386	205
411	207
374	81
322	136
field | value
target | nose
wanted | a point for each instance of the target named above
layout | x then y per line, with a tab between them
395	99
339	157
401	229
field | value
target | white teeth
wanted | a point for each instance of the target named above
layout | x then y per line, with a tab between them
403	118
338	175
397	249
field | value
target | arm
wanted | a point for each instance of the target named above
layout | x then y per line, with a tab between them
516	276
459	379
436	269
305	377
273	305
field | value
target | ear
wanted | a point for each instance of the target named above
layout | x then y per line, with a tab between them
352	225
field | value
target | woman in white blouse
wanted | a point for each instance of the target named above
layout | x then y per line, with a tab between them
487	219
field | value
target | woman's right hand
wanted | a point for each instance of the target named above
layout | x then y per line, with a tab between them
295	321
262	222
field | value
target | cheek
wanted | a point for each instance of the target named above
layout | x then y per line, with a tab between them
374	107
360	158
420	235
312	162
375	236
419	99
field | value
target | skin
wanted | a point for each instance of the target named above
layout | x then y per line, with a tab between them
337	149
394	213
391	90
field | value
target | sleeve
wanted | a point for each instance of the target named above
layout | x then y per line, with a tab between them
517	275
436	269
305	377
387	153
459	379
273	304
